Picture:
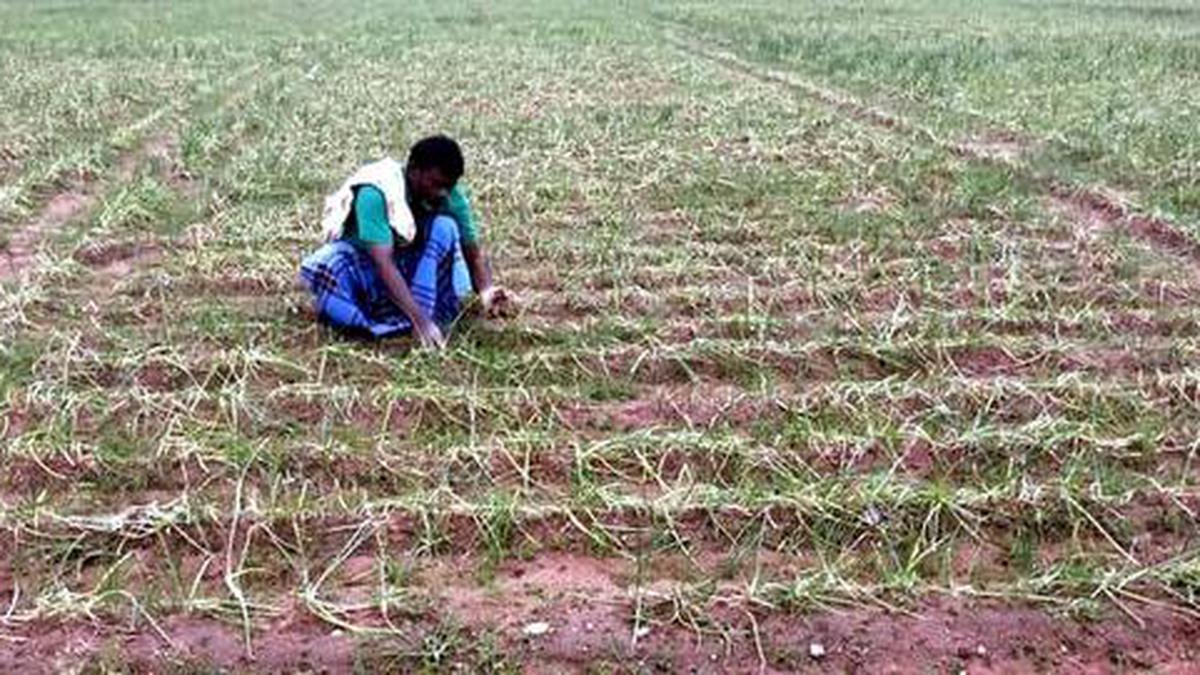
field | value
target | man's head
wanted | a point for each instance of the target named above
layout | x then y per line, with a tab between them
434	165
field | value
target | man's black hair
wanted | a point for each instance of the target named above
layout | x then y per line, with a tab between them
437	152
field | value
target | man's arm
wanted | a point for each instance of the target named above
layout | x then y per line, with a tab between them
423	326
494	299
373	230
479	266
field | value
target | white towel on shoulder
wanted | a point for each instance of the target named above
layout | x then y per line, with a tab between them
386	175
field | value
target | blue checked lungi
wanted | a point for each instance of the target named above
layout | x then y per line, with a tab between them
351	296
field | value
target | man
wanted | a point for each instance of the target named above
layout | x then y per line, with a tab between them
401	244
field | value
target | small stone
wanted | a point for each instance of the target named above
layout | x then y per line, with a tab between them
873	516
816	650
641	632
981	650
536	628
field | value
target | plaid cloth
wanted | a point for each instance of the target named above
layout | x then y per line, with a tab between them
351	296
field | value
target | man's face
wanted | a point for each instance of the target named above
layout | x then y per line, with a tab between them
429	185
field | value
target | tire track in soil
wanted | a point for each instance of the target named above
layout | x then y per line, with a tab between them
1091	205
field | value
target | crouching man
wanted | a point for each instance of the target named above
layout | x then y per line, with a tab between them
402	249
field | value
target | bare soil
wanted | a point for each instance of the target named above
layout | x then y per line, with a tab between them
114	262
568	613
21	247
1093	209
700	407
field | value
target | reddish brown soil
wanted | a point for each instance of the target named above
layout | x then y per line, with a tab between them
1093	208
1125	322
993	361
890	298
953	635
1163	526
13	422
1086	223
21	247
1088	283
1164	235
640	302
156	376
667	228
589	603
116	262
947	247
550	471
587	606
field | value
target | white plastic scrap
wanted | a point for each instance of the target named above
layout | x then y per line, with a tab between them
536	629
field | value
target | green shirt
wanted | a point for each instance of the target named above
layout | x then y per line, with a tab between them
457	206
369	226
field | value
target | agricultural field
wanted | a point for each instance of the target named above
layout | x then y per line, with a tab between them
852	336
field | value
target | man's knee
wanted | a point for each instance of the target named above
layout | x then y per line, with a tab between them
444	231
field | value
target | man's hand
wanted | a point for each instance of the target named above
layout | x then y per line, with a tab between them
424	329
496	302
429	335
